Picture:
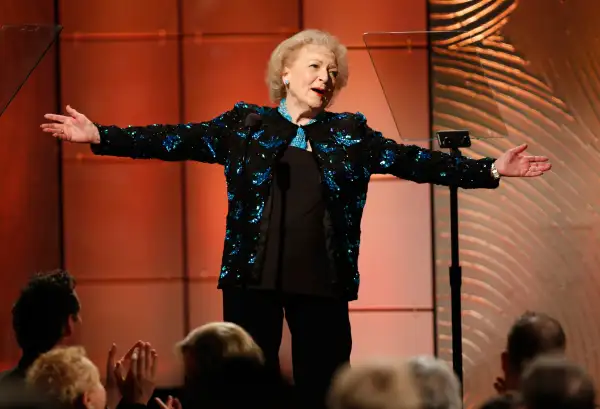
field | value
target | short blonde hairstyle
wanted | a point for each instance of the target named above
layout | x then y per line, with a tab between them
217	341
284	54
374	385
63	373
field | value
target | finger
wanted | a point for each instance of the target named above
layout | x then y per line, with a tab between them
519	149
135	346
118	372
543	166
74	113
154	363
54	129
141	363
52	125
177	404
161	403
57	118
133	367
534	173
537	159
110	362
147	359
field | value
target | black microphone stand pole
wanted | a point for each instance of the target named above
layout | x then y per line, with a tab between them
454	140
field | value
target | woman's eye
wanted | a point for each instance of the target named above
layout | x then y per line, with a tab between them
334	74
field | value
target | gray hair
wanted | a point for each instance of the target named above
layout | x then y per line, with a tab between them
437	384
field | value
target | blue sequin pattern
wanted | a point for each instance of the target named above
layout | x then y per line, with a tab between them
347	151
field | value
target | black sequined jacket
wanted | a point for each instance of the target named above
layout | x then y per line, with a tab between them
348	152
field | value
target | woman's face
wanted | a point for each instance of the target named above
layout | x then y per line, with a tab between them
311	76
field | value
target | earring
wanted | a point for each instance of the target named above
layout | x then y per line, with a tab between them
286	82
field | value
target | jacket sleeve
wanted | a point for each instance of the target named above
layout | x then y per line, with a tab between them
207	142
410	162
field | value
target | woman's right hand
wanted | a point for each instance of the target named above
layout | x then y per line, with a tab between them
73	128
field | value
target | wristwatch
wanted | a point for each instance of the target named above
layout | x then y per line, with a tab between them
495	172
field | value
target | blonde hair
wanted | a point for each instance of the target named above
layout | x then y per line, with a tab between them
63	373
374	385
286	50
217	341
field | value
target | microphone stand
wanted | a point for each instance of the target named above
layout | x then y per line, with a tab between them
454	140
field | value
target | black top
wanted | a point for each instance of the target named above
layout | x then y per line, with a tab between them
296	258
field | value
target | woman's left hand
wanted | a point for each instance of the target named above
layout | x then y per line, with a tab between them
514	163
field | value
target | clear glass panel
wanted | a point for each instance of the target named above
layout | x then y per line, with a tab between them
21	49
460	89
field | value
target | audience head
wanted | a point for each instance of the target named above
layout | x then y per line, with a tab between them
45	312
221	357
374	385
532	335
505	401
436	383
206	348
552	382
67	375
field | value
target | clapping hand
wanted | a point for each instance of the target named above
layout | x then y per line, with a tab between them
135	374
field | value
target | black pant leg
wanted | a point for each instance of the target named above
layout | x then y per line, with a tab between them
260	313
321	343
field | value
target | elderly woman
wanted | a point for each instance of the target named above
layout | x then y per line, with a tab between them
297	178
68	376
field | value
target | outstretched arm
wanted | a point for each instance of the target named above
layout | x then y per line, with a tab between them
426	166
205	142
421	165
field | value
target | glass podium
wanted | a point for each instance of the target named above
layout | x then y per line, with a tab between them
465	104
22	47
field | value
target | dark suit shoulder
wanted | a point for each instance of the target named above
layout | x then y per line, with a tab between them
11	377
245	108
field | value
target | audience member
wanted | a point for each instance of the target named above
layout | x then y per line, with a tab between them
436	383
223	366
44	315
66	375
532	335
374	385
552	382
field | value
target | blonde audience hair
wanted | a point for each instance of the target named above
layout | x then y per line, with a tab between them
63	373
374	385
219	340
285	52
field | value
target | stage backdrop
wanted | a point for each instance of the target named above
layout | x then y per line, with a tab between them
531	244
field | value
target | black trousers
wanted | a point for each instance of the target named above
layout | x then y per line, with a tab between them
320	329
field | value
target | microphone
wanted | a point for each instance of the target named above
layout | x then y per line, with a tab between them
252	122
